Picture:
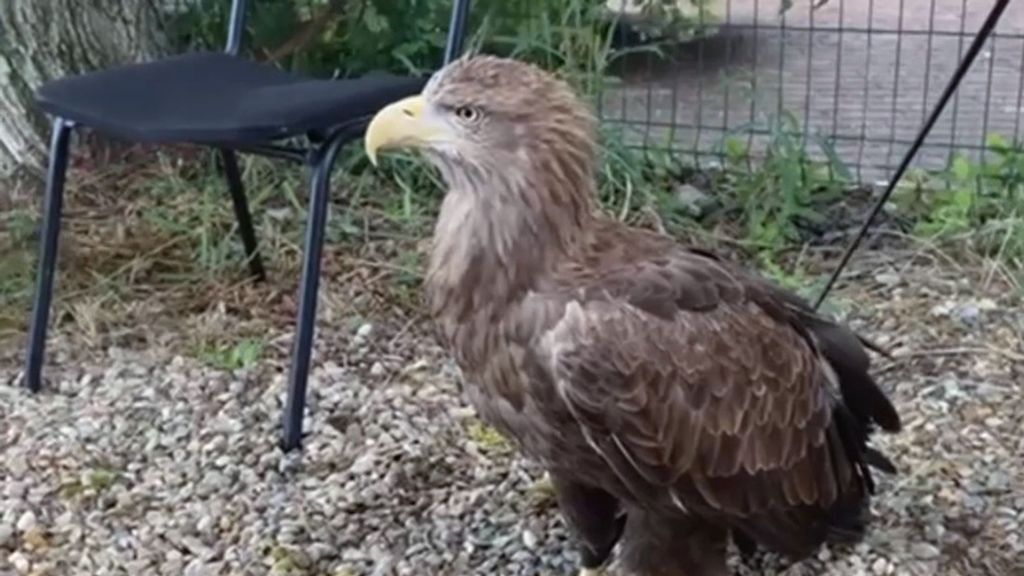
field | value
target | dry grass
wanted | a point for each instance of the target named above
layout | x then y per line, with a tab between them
149	251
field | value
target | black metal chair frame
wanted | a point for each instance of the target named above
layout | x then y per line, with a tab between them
319	157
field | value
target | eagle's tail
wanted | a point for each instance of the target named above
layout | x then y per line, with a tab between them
861	407
797	532
847	353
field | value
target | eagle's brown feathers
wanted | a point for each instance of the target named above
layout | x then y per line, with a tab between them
705	391
652	380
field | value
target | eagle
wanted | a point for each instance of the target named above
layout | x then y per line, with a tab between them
675	399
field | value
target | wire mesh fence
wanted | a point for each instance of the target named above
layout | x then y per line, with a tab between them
859	75
855	77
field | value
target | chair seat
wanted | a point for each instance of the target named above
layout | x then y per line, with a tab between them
209	97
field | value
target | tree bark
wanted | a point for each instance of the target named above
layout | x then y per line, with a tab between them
42	40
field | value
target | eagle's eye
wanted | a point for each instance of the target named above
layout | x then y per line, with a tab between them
467	114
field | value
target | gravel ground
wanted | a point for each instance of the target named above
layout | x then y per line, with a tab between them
145	462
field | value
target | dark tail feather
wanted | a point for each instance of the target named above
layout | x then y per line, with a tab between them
845	351
877	460
874	347
866	400
847	518
862	406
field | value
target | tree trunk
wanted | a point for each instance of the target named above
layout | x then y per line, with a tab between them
42	40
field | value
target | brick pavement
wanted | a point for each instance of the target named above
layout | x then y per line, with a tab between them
844	69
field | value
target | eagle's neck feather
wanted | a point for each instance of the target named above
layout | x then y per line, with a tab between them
498	233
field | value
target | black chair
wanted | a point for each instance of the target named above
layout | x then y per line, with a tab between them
232	104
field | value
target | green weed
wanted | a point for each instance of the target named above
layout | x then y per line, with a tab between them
90	483
346	38
489	440
192	204
786	190
980	204
242	354
17	263
179	232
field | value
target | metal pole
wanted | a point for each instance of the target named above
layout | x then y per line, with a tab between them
456	31
236	27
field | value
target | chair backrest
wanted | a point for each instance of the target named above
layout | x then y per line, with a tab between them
452	49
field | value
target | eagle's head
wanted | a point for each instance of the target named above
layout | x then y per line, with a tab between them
494	121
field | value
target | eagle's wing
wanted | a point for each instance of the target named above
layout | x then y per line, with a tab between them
705	388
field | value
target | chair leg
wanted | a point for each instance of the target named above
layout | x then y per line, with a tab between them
52	205
234	176
315	227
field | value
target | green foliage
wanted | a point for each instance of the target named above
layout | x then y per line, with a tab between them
89	484
487	439
17	268
635	180
979	202
396	35
573	38
234	356
787	189
190	205
409	35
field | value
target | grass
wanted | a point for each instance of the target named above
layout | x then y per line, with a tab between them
230	355
975	204
489	440
16	261
89	484
162	250
150	244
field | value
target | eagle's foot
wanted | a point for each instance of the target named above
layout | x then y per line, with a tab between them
672	544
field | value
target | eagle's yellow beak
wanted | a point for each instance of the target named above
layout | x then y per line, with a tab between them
398	124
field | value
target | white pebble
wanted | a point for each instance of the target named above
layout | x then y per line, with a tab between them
6	535
20	562
529	539
925	551
199	568
205	525
27	521
364	331
17	465
363	463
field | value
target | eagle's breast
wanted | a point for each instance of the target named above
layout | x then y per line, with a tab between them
508	385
